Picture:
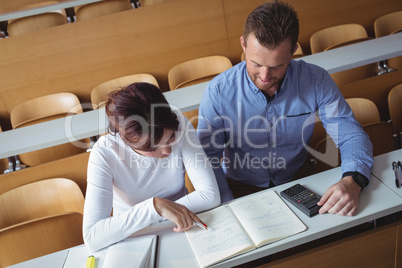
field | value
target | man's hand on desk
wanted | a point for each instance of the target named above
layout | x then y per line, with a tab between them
176	213
342	198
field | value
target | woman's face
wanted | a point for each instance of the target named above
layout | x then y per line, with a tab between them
163	148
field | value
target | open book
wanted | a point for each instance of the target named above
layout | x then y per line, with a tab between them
136	252
241	226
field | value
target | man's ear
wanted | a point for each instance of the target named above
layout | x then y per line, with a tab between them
243	43
295	48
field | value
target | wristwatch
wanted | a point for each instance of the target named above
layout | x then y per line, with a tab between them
360	179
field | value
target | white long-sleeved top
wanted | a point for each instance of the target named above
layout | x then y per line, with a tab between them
126	181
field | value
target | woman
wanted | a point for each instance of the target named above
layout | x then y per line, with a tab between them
138	169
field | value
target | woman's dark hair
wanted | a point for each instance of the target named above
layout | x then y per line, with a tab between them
140	114
272	23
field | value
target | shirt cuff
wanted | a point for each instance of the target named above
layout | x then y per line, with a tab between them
155	215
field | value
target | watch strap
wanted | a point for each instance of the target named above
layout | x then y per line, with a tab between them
359	178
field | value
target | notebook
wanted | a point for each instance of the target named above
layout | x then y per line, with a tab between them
241	226
136	252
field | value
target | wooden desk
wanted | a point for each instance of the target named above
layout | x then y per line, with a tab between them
15	14
376	201
92	123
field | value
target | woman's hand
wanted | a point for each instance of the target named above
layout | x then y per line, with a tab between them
176	213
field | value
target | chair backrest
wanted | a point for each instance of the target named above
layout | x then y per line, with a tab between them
52	105
40	199
40	237
197	71
364	110
388	24
43	109
335	36
100	93
35	23
101	8
395	108
380	134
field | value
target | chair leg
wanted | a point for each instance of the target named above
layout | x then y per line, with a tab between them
386	67
10	165
380	69
18	164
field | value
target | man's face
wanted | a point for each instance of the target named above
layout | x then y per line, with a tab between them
266	67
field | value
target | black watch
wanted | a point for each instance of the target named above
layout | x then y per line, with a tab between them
360	179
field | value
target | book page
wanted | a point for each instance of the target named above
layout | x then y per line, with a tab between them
266	217
77	257
131	252
224	238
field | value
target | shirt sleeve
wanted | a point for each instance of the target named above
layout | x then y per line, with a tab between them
199	170
100	229
338	119
212	137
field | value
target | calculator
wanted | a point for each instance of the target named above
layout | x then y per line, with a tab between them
303	199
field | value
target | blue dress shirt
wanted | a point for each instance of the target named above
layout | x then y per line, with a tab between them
262	139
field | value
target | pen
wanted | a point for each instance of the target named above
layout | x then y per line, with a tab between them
395	168
203	226
91	262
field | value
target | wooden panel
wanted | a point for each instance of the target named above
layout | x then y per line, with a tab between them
375	89
73	168
313	15
76	57
370	249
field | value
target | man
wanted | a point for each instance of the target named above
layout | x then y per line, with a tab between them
254	118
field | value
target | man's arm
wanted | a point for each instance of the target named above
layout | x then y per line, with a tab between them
356	152
211	132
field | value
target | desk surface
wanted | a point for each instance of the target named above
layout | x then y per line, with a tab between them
383	169
377	200
91	123
15	14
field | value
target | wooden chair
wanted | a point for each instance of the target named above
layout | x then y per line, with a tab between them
386	25
395	112
341	35
32	239
101	8
381	137
35	23
364	110
100	93
42	109
194	72
40	199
